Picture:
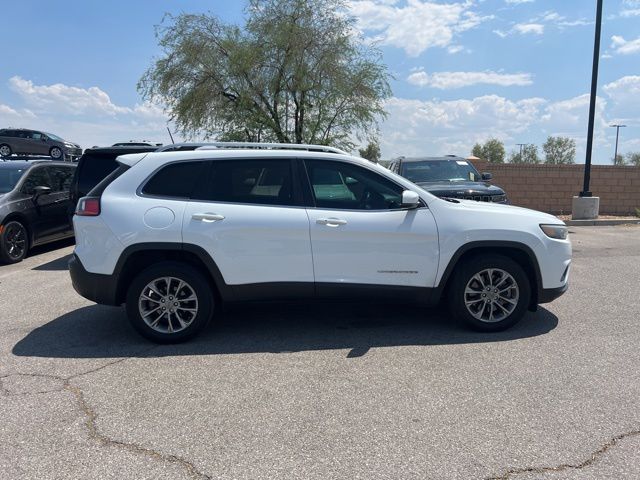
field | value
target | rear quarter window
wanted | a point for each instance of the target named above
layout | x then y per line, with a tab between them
176	180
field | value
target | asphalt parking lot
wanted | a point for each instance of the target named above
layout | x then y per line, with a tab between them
327	391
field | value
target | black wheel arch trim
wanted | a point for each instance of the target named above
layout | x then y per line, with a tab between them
496	244
226	291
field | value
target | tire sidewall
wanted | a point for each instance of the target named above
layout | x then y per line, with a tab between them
4	254
475	265
195	279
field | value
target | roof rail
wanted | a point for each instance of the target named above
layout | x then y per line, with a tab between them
250	145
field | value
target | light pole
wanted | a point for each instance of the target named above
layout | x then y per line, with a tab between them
521	145
592	104
617	127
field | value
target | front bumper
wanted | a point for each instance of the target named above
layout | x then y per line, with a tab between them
93	286
548	295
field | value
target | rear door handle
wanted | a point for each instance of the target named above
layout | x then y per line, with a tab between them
207	217
331	222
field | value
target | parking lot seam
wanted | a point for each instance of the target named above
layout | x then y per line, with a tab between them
102	439
91	416
593	457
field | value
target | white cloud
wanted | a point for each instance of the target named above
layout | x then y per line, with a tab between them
72	100
538	24
518	2
449	80
416	26
631	12
624	96
433	127
625	47
529	28
84	115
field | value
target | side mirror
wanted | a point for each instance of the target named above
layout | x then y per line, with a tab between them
410	199
41	190
487	176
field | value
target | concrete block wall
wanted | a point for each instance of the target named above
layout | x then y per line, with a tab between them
549	188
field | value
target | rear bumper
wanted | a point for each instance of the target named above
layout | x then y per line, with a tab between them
547	295
93	286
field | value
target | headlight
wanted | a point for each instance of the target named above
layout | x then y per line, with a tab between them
559	232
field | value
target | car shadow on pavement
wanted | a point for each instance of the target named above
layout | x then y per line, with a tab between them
59	264
103	332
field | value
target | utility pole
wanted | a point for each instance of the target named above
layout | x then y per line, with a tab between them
617	127
521	145
592	104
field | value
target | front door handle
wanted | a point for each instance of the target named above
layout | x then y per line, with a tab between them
331	222
207	217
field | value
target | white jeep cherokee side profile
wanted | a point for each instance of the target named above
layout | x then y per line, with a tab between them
172	234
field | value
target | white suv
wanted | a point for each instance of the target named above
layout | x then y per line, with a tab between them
172	234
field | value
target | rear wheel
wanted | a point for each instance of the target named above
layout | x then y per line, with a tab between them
14	242
169	302
55	153
490	293
5	150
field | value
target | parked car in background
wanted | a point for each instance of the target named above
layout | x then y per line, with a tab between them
22	141
449	176
137	143
171	234
34	200
94	165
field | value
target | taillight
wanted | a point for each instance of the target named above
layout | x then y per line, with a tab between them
88	207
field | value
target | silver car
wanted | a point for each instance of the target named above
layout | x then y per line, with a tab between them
22	141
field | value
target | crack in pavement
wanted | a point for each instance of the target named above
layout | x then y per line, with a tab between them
91	417
568	466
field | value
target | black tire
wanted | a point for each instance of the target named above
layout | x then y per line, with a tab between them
14	242
196	282
53	150
7	149
481	265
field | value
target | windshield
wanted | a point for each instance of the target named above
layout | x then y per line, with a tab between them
440	171
9	177
54	137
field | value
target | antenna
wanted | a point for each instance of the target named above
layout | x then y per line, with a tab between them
170	136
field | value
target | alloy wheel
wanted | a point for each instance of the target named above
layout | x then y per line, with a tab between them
491	295
15	240
56	152
5	151
168	304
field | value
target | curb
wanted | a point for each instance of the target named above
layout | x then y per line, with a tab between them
601	223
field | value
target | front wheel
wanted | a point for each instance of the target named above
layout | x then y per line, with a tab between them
55	153
169	302
490	293
14	242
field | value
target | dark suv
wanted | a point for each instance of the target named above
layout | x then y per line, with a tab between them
34	199
95	164
450	176
34	142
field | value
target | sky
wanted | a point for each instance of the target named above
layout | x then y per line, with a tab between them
464	70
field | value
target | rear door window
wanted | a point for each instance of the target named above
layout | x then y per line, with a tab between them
260	182
61	178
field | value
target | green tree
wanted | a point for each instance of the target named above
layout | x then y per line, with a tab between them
492	151
559	150
633	158
619	160
294	72
371	152
529	155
